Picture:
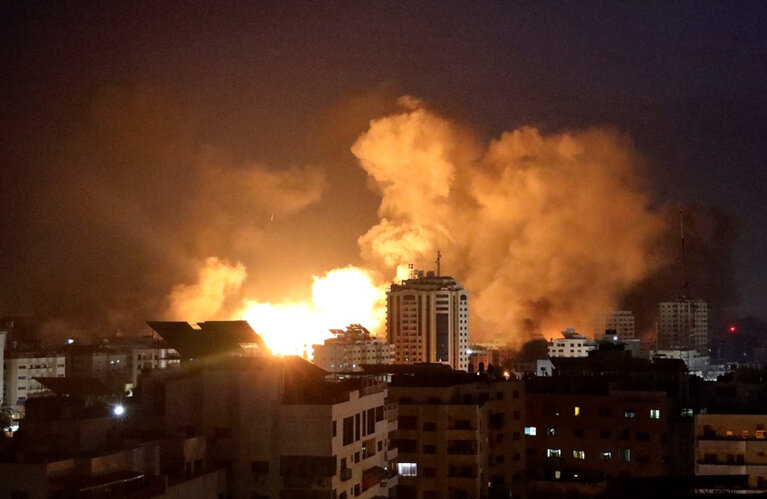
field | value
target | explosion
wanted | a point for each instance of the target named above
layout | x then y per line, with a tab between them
544	230
343	296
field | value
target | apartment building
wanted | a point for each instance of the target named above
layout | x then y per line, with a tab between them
350	349
459	435
427	320
280	429
732	444
19	372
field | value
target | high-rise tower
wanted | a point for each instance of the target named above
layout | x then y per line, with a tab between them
427	320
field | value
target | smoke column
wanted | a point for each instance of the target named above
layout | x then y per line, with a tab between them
544	230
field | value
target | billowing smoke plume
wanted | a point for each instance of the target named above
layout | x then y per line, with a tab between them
545	230
205	299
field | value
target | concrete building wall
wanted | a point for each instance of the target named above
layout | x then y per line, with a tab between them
459	441
261	440
732	444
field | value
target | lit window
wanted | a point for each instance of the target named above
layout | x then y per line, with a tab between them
625	455
530	430
407	469
654	413
630	413
552	431
606	455
760	434
579	454
576	411
729	433
553	452
557	475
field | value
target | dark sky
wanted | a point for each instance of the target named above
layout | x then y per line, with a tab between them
104	105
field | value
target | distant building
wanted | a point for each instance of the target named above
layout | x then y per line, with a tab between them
71	445
571	344
427	320
458	434
19	370
696	363
350	349
732	444
102	361
683	325
620	322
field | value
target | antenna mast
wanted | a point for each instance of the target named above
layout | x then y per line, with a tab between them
684	261
439	257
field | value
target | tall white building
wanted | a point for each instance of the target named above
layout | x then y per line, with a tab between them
683	325
351	348
427	320
620	321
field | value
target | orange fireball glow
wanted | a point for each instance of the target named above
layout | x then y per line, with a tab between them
348	295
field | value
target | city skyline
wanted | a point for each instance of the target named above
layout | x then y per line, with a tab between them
145	150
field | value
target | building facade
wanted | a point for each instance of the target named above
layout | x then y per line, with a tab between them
683	324
732	444
621	322
458	437
427	320
19	371
350	349
280	429
571	344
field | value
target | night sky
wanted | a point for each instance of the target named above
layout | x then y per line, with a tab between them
103	107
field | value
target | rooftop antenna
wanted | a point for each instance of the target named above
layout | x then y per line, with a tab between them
439	257
685	286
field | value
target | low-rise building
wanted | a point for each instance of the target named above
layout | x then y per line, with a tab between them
350	349
732	444
20	369
571	344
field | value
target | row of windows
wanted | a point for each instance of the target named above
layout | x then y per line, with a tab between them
605	412
623	454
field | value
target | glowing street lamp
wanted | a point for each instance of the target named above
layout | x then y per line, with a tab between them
118	410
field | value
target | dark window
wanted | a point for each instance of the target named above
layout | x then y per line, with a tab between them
578	433
515	394
429	472
259	467
334	428
379	413
443	337
429	449
496	421
642	436
222	432
371	421
433	400
604	412
499	395
604	433
407	422
357	427
515	415
348	430
429	426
